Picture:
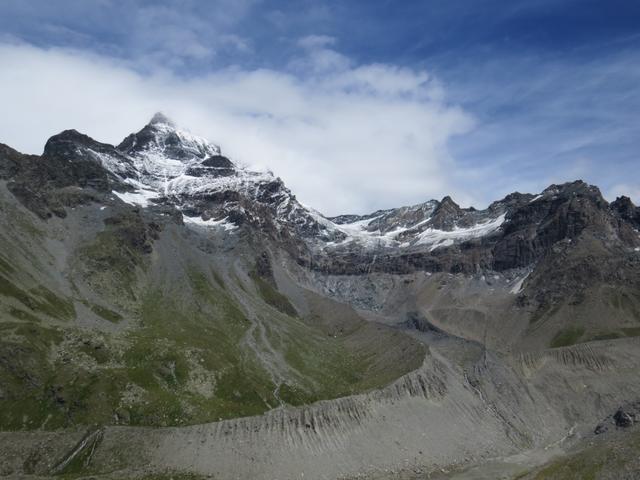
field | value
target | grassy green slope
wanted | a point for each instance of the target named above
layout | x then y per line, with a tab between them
176	349
602	459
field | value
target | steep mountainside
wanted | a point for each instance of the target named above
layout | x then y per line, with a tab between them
158	284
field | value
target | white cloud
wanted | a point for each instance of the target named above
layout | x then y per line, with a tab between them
318	57
316	41
344	138
177	35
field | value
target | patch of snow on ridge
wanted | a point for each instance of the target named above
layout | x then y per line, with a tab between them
154	162
443	238
244	181
353	232
137	184
140	197
357	232
224	223
109	162
517	286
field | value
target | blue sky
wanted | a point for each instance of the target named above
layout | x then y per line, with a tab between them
358	105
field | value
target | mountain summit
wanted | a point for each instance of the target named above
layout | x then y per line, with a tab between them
162	119
160	140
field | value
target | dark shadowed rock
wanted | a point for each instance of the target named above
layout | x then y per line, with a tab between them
623	419
446	214
215	166
625	209
600	429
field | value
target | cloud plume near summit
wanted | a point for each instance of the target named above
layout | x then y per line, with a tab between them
345	137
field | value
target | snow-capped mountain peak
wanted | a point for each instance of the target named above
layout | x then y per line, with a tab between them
165	164
161	139
162	153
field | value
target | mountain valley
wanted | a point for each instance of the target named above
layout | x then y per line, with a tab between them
166	313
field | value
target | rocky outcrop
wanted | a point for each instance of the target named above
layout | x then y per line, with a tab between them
626	210
624	417
561	212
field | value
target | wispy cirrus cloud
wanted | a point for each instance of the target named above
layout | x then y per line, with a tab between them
554	120
182	35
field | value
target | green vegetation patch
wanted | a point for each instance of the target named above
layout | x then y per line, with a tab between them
98	351
632	331
172	476
25	374
39	300
340	354
273	297
603	460
329	369
606	336
192	357
178	344
567	336
113	257
40	392
107	314
56	306
22	315
615	334
5	267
